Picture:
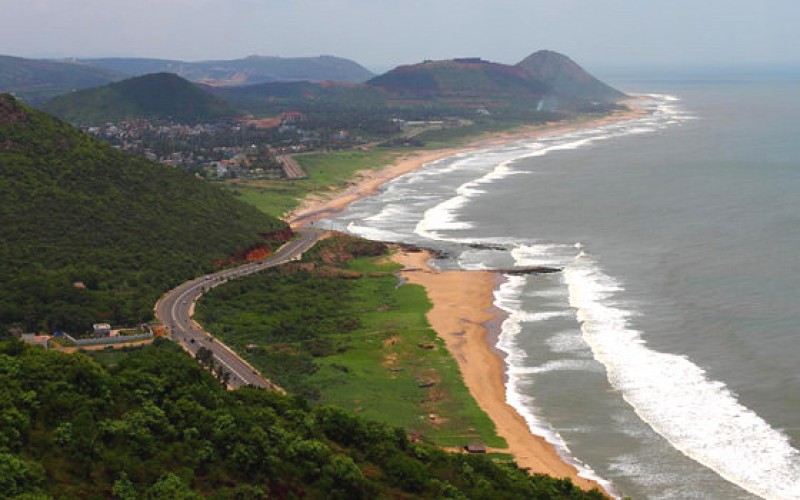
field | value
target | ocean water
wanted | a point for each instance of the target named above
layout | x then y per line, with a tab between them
664	360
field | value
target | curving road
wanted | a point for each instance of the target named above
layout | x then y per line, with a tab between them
174	310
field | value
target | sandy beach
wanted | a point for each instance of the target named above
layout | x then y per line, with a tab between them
463	300
462	305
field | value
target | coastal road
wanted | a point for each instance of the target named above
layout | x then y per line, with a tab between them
175	309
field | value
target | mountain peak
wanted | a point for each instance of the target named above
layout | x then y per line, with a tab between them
460	78
566	78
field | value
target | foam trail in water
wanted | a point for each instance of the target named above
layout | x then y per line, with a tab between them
444	216
697	415
508	299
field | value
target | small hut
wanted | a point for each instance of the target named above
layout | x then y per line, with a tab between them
475	447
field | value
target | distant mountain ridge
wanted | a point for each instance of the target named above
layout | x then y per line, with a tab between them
544	76
35	80
246	71
543	82
159	96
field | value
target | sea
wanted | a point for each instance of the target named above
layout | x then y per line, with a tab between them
664	359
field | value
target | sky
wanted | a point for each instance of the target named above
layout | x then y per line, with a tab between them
381	34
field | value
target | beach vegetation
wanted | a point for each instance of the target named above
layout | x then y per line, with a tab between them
328	173
337	329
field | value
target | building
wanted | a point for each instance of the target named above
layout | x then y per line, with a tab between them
33	339
102	329
292	117
475	447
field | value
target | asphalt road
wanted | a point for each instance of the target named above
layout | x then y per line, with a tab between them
174	310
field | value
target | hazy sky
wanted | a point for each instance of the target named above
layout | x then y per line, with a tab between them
384	33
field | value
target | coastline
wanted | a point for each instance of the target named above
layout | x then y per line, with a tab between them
463	301
368	182
462	306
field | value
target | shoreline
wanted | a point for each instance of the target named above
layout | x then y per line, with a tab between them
463	308
463	301
368	182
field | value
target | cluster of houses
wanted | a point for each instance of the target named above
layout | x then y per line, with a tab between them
244	150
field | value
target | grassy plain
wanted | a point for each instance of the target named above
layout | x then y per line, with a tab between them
333	171
327	172
390	367
383	372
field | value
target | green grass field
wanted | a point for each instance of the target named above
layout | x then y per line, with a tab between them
379	369
380	375
327	172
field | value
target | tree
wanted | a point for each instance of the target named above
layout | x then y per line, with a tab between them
124	489
170	487
205	357
18	476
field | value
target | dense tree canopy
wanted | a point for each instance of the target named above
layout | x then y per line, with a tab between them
73	210
151	423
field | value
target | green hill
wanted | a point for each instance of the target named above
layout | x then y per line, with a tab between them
74	209
36	81
566	80
159	96
246	71
468	82
546	81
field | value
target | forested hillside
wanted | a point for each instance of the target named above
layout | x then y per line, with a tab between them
160	96
152	424
89	233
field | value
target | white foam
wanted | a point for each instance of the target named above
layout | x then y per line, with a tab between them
542	254
389	211
508	297
699	416
445	216
556	293
567	342
529	317
372	233
557	365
